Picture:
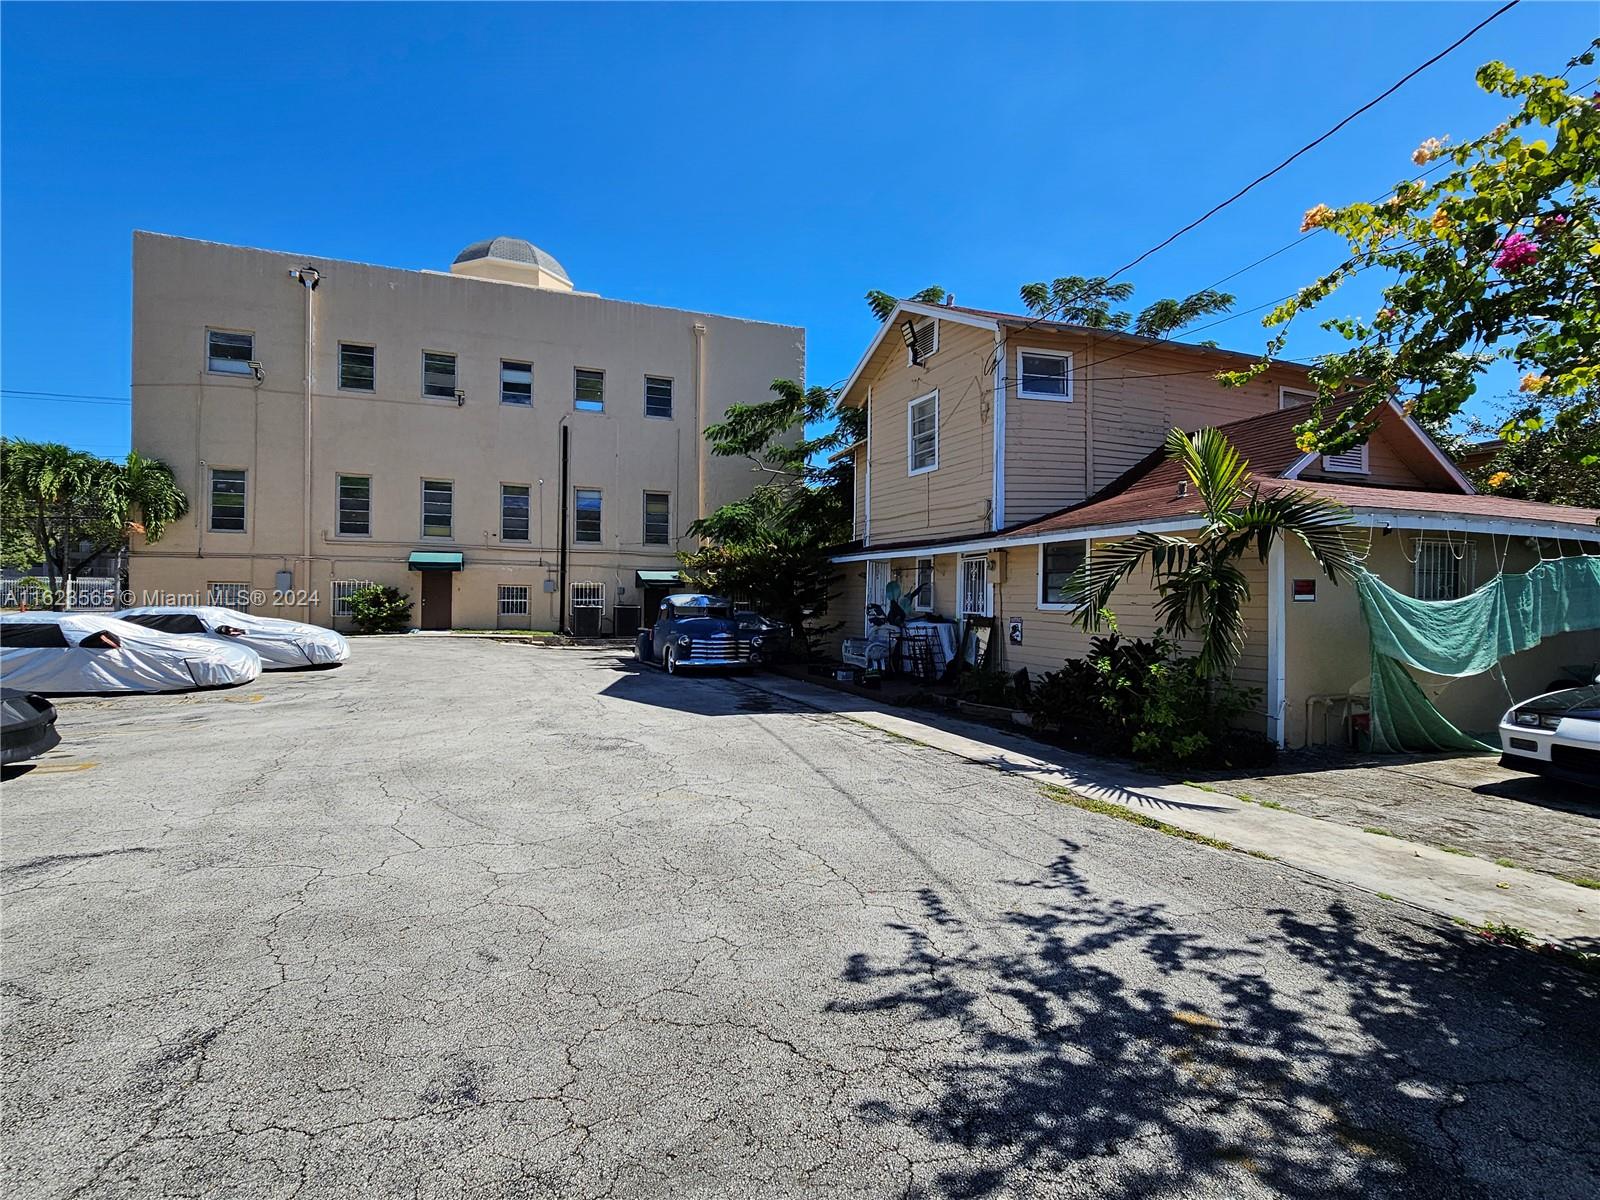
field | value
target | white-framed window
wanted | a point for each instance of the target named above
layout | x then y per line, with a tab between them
513	599
439	375
657	519
343	589
1044	374
1444	569
922	434
1058	562
588	390
924	341
516	382
586	513
1289	397
514	511
877	590
975	591
229	595
230	352
922	578
1347	462
355	506
658	396
588	595
438	508
228	488
358	367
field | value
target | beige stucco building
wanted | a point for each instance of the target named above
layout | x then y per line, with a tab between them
1002	449
508	450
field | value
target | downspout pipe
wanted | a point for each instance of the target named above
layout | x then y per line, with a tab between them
700	418
309	278
561	536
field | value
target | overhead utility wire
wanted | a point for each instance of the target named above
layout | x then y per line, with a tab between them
1260	179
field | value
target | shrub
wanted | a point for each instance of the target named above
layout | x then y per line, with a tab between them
1140	697
379	609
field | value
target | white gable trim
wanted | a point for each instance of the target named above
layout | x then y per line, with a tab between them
937	311
1420	435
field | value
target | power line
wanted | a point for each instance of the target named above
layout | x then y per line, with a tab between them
64	397
1262	178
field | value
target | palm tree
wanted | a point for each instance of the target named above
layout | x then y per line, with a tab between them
1198	582
68	498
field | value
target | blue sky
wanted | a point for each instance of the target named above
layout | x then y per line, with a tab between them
769	161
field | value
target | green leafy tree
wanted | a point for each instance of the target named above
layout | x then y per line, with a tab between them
1078	300
1548	462
1498	259
64	507
774	545
377	608
882	303
1198	581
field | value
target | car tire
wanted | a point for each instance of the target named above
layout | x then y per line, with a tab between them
669	659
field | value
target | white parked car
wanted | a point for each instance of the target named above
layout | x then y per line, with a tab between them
58	654
1557	734
283	645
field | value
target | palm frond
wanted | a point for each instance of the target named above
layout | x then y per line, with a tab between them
1323	525
1090	587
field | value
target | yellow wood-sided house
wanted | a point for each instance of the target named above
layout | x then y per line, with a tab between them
1001	447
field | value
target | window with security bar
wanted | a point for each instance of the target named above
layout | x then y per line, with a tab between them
588	595
229	595
513	599
343	589
1443	569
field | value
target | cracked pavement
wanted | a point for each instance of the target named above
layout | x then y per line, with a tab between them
468	919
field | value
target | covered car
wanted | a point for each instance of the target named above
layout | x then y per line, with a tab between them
696	630
92	654
27	726
1557	734
283	645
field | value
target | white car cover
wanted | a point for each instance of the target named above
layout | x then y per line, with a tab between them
283	645
146	661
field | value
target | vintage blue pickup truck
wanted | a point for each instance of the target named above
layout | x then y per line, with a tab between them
696	630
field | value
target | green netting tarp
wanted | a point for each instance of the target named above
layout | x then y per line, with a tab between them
1463	637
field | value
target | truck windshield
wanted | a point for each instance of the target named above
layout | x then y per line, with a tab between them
700	610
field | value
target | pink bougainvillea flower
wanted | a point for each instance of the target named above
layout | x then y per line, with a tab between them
1516	252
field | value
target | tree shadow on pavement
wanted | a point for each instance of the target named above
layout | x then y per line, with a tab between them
1084	1040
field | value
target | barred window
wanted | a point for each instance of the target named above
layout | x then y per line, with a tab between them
1443	569
229	595
343	589
513	599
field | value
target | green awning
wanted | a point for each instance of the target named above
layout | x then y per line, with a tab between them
433	560
658	578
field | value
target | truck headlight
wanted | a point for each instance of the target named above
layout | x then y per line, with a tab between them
1527	718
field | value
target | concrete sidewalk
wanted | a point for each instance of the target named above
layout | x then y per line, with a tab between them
1453	885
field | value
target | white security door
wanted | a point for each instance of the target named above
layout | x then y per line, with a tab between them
877	586
975	596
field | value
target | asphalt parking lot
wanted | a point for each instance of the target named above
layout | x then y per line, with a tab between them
467	919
